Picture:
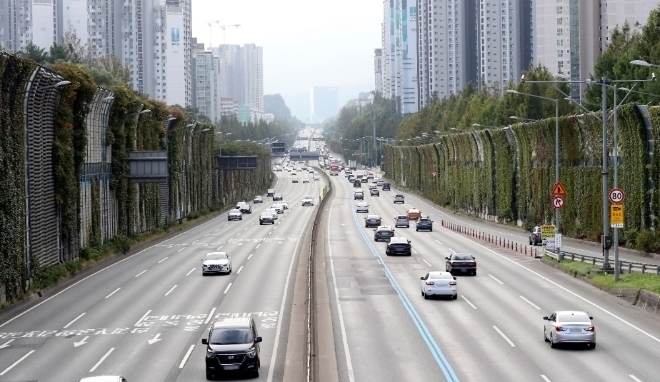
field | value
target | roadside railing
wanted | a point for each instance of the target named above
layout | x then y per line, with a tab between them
624	266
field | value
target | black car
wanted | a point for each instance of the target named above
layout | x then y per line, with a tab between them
383	233
277	196
386	186
399	246
364	180
461	263
232	346
357	183
374	192
359	195
424	224
372	221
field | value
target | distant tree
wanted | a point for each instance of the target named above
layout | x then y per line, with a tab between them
34	52
58	53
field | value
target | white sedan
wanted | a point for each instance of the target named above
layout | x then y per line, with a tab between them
284	204
216	262
273	212
438	284
278	208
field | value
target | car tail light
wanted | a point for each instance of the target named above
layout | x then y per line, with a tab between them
430	283
452	283
590	329
560	329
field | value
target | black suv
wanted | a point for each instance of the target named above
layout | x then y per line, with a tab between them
383	233
398	246
386	186
424	224
232	345
277	196
357	183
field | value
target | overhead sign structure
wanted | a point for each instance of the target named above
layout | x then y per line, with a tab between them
617	196
559	190
547	232
558	202
616	216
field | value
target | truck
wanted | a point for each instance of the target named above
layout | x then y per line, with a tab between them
352	164
334	169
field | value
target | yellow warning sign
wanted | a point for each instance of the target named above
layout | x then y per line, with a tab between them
616	215
547	231
559	189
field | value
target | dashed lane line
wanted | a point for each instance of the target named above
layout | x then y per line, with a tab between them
113	292
468	301
185	357
170	291
530	303
17	362
503	336
495	278
74	320
101	360
191	271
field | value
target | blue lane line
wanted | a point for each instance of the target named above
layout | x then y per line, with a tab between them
439	357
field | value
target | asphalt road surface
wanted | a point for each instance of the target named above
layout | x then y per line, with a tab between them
386	331
144	317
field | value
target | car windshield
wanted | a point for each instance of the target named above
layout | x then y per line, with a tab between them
216	256
402	218
462	257
231	336
373	217
574	317
440	276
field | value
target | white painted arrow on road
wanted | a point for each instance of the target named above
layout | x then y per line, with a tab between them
155	339
82	342
6	344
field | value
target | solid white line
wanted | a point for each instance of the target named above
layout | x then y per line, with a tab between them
182	248
631	376
170	291
74	320
162	260
209	317
115	291
503	336
468	301
273	358
17	362
228	286
347	351
530	303
143	317
651	336
239	270
250	256
191	271
494	278
185	357
427	263
258	245
546	379
101	360
138	275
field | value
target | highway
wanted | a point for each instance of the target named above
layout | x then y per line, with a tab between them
144	317
385	330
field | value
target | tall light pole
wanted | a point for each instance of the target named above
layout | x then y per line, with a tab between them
556	101
485	126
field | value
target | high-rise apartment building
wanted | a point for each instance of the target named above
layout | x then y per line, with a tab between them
206	69
241	74
324	102
151	37
378	69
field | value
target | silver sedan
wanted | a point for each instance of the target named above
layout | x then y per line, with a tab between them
567	326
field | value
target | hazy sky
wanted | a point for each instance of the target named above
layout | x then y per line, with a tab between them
306	42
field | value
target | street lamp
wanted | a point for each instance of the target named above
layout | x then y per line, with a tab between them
644	63
556	101
484	126
523	119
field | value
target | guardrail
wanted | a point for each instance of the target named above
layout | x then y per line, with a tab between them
629	266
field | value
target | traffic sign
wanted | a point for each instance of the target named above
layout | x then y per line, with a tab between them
559	189
547	231
617	196
557	202
616	216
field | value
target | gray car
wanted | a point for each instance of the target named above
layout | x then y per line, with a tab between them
401	221
568	326
398	199
362	207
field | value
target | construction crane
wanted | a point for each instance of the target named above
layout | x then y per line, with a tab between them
210	24
224	30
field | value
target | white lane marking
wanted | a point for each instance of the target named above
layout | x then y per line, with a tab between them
185	357
347	351
210	316
273	358
250	256
494	278
530	303
440	243
101	360
564	289
191	271
113	292
427	263
258	245
468	301
238	233
416	253
503	336
631	376
17	362
74	320
245	229
143	317
141	273
228	286
239	270
217	249
451	250
162	260
252	224
425	233
182	248
170	291
6	344
225	224
546	379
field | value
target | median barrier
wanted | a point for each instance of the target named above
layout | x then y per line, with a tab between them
499	241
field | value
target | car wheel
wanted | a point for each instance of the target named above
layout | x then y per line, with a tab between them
416	230
593	346
255	374
431	230
426	296
209	375
552	342
422	292
544	337
260	223
454	297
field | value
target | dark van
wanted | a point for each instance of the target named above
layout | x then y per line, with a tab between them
386	186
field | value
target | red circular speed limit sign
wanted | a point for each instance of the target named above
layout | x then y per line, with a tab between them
617	196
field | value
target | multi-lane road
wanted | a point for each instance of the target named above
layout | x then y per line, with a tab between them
144	317
385	330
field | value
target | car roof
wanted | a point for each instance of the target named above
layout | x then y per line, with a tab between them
402	217
384	228
413	209
235	210
398	239
373	217
573	312
440	275
233	322
102	378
